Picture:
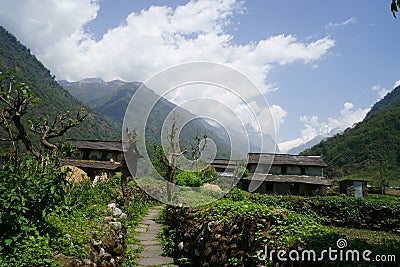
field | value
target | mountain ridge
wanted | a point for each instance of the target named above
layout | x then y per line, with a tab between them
370	149
114	101
16	57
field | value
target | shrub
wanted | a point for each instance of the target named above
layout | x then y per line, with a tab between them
190	179
29	191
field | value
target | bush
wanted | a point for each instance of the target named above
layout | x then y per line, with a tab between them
190	179
29	191
34	250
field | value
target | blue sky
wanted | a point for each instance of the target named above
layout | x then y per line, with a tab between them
321	64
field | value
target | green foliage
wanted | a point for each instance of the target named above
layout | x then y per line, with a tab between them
323	208
33	250
84	194
394	7
28	192
187	178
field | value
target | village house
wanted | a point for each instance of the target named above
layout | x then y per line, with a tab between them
96	157
224	167
285	174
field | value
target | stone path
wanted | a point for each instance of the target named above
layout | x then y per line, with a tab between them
147	230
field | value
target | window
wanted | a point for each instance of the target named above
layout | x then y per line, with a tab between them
303	171
283	170
104	155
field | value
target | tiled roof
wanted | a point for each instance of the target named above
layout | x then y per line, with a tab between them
222	162
92	164
318	180
284	159
97	145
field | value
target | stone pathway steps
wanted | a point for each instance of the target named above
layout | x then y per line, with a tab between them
147	231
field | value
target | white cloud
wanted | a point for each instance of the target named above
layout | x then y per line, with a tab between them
41	25
380	90
341	24
148	41
313	127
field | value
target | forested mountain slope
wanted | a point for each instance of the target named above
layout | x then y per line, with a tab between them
55	100
370	148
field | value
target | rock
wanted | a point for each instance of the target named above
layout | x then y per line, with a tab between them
180	246
100	179
107	257
89	263
118	250
102	252
109	243
109	219
116	212
67	261
116	225
112	205
93	255
97	244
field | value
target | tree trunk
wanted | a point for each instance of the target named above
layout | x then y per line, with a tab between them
24	137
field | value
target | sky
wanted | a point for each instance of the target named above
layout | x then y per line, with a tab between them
320	65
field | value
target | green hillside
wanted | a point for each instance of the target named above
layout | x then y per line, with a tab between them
370	148
54	99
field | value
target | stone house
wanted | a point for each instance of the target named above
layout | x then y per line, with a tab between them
285	174
96	157
224	167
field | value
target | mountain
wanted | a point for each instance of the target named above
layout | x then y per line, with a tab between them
316	140
112	98
90	89
370	149
390	100
54	99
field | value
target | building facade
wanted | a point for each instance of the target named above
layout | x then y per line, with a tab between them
96	157
285	174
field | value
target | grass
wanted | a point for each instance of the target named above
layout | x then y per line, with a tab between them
386	197
373	237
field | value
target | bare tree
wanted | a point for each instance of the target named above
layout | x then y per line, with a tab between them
169	160
17	99
132	154
57	128
197	149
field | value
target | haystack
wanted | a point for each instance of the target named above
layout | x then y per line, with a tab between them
75	175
